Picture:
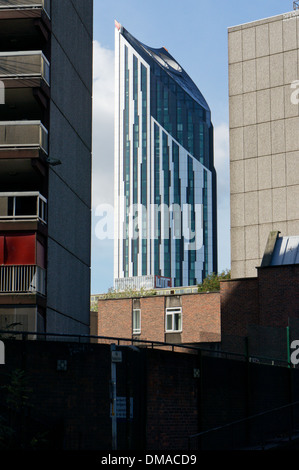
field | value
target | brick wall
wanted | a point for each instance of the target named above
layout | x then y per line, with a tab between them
201	317
173	399
268	300
239	305
278	295
152	319
170	402
115	318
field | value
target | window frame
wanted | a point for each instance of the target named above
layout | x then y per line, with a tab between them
136	331
172	311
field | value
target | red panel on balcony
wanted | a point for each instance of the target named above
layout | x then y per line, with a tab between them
1	250
40	255
18	249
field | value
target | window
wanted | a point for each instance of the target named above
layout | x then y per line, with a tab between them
136	321
173	319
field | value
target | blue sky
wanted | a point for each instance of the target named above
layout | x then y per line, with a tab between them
195	33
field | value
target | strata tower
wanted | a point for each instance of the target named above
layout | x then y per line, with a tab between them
165	181
45	164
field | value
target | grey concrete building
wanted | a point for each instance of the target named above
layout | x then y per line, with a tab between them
264	137
45	164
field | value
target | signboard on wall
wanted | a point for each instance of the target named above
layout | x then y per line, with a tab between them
162	282
121	408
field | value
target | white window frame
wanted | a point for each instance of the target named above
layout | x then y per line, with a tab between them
172	312
136	331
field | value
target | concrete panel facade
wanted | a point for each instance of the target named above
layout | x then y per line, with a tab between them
264	142
69	203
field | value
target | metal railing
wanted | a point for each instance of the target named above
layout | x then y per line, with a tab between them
23	134
22	279
21	4
296	5
267	429
24	64
23	206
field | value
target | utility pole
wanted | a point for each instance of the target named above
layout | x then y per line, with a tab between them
113	398
116	356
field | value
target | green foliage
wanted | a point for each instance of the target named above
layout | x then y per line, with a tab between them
113	294
212	282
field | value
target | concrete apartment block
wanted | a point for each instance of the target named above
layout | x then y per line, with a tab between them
264	137
69	183
45	165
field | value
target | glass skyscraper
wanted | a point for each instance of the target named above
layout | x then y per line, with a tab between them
165	181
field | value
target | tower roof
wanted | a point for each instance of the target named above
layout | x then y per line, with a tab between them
168	63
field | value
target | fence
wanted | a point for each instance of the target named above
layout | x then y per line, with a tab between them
23	206
260	431
22	279
10	4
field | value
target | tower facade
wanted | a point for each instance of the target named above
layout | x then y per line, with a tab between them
264	138
165	181
45	164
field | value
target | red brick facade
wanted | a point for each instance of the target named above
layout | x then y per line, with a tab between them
200	317
239	305
269	299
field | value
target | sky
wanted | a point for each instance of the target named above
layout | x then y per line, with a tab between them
195	34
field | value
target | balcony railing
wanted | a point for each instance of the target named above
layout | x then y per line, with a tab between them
23	134
24	64
22	4
22	280
23	206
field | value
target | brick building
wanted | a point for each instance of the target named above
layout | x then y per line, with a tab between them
271	298
175	318
268	300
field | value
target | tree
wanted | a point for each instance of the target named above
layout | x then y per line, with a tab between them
212	282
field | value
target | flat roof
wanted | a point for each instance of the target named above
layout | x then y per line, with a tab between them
271	19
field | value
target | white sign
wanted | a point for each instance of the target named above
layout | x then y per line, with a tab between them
116	356
121	408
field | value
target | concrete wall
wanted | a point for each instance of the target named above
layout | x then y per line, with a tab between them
264	142
69	201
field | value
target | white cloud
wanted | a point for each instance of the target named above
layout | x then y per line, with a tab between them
103	162
221	160
103	124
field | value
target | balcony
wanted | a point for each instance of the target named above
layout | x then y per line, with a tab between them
24	64
23	135
23	206
26	4
22	280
